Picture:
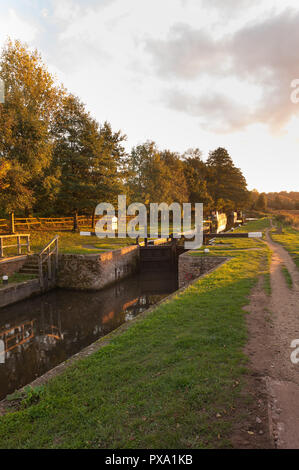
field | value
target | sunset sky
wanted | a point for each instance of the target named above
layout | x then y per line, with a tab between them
184	73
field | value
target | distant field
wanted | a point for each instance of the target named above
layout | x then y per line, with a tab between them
288	217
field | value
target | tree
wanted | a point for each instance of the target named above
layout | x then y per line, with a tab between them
148	179
76	149
226	182
261	203
175	187
87	157
113	157
4	169
195	173
26	118
253	197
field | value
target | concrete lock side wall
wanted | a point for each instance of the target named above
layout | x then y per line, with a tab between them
191	267
15	292
96	271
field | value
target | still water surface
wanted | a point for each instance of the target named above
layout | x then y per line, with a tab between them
42	332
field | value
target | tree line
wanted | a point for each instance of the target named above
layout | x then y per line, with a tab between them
275	201
56	159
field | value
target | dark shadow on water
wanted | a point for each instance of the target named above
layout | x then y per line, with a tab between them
42	332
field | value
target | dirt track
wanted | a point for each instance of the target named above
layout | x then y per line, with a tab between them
273	325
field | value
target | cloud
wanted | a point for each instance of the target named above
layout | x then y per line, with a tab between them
229	6
264	54
14	26
186	53
211	109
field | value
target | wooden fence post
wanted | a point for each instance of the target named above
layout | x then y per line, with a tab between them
75	222
12	222
40	269
49	265
19	245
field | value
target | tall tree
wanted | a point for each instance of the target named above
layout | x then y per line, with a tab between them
226	183
113	157
26	118
4	168
87	157
196	173
261	203
148	175
175	188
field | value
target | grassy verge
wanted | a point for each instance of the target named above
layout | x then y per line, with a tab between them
290	240
267	284
16	278
70	242
172	380
287	276
255	225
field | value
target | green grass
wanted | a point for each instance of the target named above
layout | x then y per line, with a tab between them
255	225
287	276
267	284
70	242
172	380
290	240
16	278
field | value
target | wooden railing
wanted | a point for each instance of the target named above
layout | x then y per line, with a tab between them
48	263
17	245
44	223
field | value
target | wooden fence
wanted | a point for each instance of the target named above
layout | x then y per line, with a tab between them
17	243
57	223
32	223
44	223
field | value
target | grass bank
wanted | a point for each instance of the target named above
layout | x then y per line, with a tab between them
17	278
70	242
255	225
172	380
289	238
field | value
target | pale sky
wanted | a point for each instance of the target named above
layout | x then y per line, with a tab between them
184	73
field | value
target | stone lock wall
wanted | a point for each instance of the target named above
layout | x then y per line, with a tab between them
96	271
10	266
191	267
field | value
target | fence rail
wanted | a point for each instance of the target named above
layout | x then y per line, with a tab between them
60	223
21	223
19	245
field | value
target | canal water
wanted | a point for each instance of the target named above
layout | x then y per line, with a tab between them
40	333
